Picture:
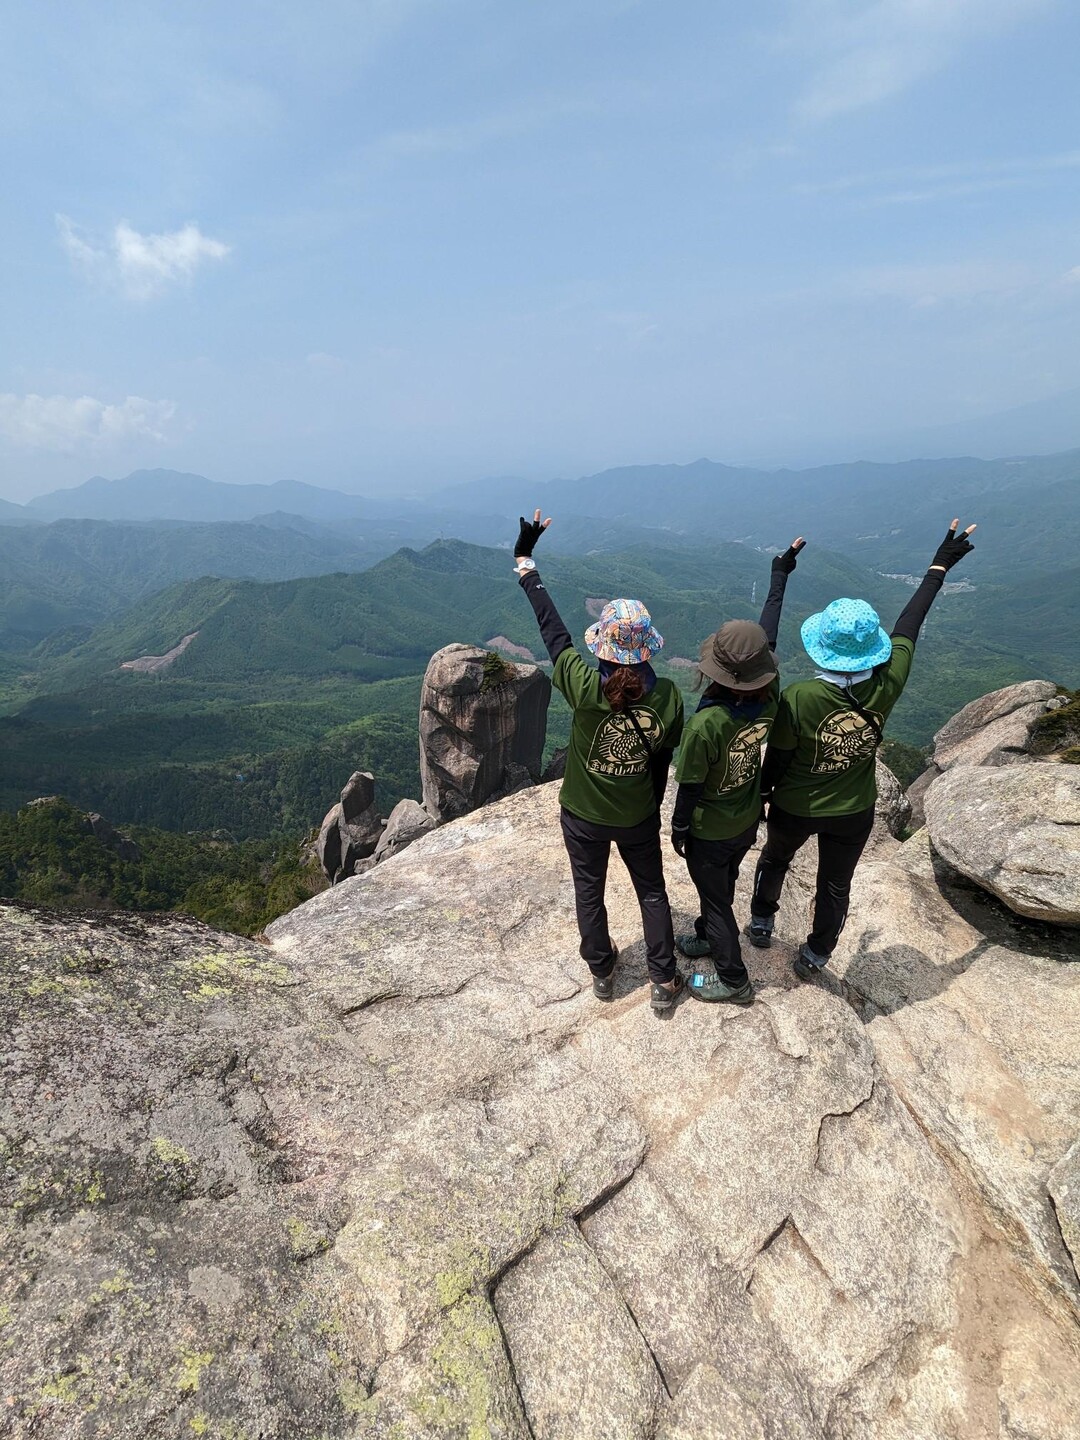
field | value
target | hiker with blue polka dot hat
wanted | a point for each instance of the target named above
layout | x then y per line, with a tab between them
819	770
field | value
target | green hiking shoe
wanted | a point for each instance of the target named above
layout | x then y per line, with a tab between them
707	985
807	965
693	946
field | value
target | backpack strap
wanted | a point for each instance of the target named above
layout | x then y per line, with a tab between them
640	733
870	719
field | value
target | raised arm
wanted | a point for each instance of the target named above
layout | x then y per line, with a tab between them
949	553
553	631
782	566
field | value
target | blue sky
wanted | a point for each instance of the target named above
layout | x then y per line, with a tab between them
390	244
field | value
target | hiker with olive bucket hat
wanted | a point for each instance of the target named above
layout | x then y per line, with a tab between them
718	805
819	769
626	723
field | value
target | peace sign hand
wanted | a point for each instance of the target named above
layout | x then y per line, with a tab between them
953	548
529	534
788	560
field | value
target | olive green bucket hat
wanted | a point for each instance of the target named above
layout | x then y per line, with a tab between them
738	656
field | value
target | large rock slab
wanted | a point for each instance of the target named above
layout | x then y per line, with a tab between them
1015	832
380	1177
584	1368
483	721
995	729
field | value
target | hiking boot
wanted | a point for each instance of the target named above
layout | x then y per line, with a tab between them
759	931
663	996
603	986
807	965
693	946
707	985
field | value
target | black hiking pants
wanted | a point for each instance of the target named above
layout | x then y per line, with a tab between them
589	848
841	841
714	869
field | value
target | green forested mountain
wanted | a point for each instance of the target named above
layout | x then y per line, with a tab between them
59	580
386	621
80	572
288	687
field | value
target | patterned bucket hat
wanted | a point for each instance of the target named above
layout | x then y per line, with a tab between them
846	635
624	634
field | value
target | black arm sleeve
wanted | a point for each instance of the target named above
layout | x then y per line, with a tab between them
658	774
687	799
774	768
553	632
909	622
774	603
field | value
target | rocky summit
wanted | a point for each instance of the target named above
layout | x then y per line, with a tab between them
396	1174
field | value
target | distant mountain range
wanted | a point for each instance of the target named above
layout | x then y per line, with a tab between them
883	515
173	495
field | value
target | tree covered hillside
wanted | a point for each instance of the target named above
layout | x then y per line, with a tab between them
288	687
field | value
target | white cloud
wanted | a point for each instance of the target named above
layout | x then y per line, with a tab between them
68	423
141	265
868	51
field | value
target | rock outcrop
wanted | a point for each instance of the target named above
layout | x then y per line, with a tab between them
893	809
101	830
397	1175
407	822
351	830
996	729
482	726
1015	832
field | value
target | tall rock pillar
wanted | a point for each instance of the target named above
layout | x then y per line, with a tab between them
483	721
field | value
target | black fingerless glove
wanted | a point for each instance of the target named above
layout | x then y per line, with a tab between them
528	535
952	550
786	562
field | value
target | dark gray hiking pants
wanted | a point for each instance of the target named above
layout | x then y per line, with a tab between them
841	841
589	847
714	869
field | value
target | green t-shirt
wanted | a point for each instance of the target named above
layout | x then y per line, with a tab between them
832	772
724	752
607	776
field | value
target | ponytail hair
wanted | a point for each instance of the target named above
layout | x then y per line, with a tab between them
623	687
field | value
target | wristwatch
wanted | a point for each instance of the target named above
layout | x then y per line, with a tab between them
523	564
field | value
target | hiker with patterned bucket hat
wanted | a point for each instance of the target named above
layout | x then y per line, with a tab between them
627	721
718	804
819	770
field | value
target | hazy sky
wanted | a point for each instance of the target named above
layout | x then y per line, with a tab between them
385	244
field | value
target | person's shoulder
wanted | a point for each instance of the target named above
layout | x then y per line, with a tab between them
699	722
903	651
664	692
795	690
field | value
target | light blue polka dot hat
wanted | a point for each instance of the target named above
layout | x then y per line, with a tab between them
846	635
